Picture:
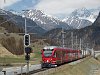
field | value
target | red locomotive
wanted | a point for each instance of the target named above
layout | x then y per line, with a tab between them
53	56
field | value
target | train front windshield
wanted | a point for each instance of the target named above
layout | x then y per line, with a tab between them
47	52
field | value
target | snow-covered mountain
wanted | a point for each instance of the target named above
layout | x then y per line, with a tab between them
77	23
14	12
3	12
45	21
81	18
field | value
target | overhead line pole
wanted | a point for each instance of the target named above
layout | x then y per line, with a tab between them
4	1
72	39
25	26
63	37
25	21
76	42
80	43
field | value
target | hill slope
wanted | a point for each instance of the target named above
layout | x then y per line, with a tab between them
86	67
4	52
8	37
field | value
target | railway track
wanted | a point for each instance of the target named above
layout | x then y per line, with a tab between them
34	71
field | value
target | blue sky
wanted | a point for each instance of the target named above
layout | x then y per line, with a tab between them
57	8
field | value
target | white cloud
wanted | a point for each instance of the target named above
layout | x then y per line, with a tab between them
56	7
7	3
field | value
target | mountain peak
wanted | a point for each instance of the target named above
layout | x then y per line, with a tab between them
81	12
82	17
34	12
2	11
83	9
45	21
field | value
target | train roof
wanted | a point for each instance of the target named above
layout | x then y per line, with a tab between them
50	47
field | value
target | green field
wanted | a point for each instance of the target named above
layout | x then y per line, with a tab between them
35	58
14	61
11	60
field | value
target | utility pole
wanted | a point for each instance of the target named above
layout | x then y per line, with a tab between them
82	48
76	42
87	45
57	41
4	1
72	39
25	11
25	26
80	43
63	38
26	45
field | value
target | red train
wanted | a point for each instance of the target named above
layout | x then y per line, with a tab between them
53	56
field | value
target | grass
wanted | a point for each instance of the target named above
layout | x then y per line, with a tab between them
83	68
9	60
34	59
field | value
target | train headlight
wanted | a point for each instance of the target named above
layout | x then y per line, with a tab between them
47	60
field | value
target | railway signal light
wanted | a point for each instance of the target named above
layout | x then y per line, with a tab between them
28	50
27	57
26	39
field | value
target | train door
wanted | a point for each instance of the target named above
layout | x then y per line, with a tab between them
58	55
63	58
79	54
76	54
73	54
69	55
66	56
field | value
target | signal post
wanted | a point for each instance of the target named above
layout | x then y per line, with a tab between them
27	49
